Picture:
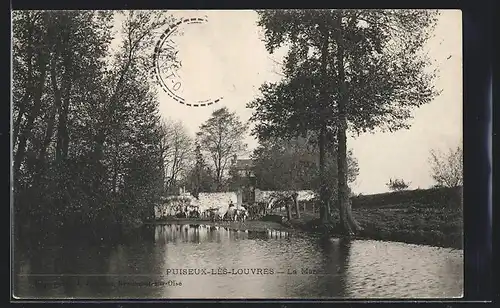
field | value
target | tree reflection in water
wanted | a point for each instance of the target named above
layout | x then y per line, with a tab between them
177	233
336	262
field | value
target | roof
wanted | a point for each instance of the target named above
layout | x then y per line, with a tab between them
244	164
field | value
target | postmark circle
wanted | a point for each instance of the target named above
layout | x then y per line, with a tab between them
164	55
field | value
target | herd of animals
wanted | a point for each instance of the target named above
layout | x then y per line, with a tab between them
233	213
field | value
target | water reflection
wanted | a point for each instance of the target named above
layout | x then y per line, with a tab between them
336	254
202	233
237	264
403	270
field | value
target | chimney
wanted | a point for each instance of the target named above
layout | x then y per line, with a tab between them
239	195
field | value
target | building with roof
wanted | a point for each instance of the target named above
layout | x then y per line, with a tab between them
245	167
246	183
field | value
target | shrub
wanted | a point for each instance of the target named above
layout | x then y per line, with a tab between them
398	184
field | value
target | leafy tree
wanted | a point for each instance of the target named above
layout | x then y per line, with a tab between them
447	168
48	81
345	69
73	98
46	40
177	148
199	178
221	137
284	164
131	61
293	165
397	184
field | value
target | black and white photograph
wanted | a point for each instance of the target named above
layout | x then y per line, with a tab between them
237	154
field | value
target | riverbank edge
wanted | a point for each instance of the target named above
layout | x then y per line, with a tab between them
416	237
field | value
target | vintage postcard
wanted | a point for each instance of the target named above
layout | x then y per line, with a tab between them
257	154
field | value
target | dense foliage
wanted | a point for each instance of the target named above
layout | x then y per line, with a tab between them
345	70
292	164
86	133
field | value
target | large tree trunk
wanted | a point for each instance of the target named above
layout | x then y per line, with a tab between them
218	169
29	83
288	210
347	221
106	119
115	177
55	107
296	204
17	123
62	130
25	135
324	206
163	176
22	107
343	190
323	196
115	170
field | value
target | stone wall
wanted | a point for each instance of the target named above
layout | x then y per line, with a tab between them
266	195
216	200
205	201
173	203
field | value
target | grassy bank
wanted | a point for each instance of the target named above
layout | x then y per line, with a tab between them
445	197
427	226
429	217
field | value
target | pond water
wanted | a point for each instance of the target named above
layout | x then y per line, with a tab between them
183	261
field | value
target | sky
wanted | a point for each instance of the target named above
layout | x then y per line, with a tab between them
225	57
